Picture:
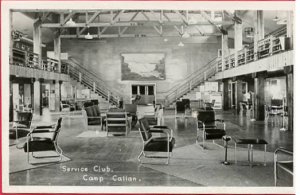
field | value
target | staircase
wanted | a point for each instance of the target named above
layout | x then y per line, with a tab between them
190	85
92	81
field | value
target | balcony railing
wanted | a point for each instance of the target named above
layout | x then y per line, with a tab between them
265	47
31	60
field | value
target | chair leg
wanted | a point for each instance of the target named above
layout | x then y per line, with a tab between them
139	156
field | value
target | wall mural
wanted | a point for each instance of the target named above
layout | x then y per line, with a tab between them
143	66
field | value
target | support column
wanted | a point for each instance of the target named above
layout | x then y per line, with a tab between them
11	42
59	95
55	89
37	40
290	95
238	39
225	49
57	51
239	95
37	97
27	94
225	95
16	99
259	31
290	28
259	96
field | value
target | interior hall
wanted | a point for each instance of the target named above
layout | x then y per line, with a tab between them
125	97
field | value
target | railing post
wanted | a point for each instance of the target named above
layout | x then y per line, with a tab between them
80	77
94	86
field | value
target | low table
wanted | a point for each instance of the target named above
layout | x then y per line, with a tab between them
250	143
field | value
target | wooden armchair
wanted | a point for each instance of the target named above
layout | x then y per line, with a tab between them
117	122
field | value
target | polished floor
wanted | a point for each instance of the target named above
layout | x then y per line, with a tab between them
116	156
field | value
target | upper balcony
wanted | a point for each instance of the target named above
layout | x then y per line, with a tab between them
270	54
29	65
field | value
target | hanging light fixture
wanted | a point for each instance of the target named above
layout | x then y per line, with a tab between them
275	19
70	23
282	21
186	35
88	35
180	44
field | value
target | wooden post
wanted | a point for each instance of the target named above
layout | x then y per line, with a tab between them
259	32
290	95
225	95
37	40
225	49
239	95
238	40
259	93
57	51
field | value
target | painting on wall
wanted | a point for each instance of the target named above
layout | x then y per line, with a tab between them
143	66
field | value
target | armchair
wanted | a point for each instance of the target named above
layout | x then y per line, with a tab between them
41	144
286	165
117	122
21	127
180	109
163	144
209	125
93	116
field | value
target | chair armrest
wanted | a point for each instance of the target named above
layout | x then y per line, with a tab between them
94	117
43	131
167	131
201	122
220	120
45	127
160	127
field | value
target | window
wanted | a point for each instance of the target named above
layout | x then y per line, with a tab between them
142	90
134	90
150	90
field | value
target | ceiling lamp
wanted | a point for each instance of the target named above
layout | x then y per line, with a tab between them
70	23
88	36
186	35
275	19
282	21
166	40
180	44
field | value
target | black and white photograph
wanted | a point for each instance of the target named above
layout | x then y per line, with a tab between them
147	97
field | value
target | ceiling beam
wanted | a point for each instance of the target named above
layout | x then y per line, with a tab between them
88	21
134	35
132	23
183	18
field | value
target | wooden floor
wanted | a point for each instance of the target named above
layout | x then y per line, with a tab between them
119	153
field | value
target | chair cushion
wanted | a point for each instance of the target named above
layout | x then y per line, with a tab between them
159	145
39	146
21	133
206	116
214	133
89	111
208	125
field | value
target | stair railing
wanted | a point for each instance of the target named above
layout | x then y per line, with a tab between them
192	81
92	81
